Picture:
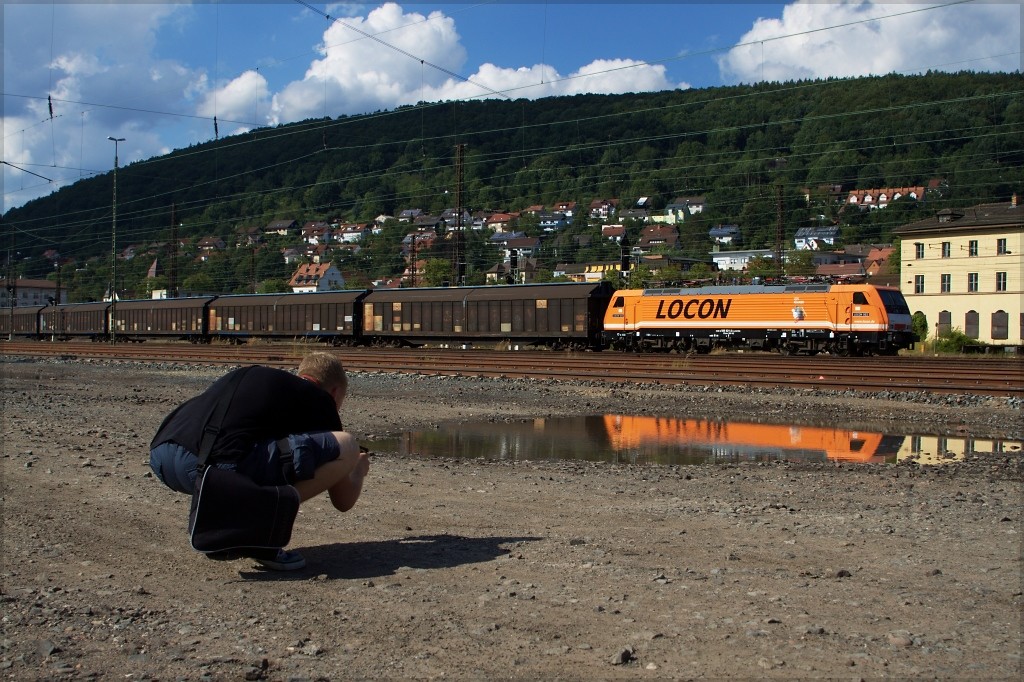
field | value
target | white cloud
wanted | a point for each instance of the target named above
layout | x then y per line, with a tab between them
243	100
420	58
871	38
358	73
97	62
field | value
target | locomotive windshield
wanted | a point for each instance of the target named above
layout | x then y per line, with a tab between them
894	302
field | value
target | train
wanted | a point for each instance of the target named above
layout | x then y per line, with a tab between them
795	318
839	319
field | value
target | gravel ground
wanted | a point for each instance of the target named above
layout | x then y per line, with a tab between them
475	569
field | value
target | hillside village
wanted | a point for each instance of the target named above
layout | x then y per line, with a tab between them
320	252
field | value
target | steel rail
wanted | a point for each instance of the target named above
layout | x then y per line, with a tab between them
1002	377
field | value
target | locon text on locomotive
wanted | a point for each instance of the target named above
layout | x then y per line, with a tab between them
707	308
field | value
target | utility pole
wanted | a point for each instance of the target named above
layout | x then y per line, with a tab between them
172	279
12	287
459	250
412	267
55	332
113	249
780	234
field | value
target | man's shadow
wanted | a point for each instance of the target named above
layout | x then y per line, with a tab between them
354	560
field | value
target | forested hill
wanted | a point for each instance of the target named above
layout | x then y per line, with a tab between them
751	151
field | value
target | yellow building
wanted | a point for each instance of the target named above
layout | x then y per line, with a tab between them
962	269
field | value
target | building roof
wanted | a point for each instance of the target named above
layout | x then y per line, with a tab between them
724	231
974	218
859	196
842	270
524	265
308	274
523	243
687	201
822	232
659	231
627	213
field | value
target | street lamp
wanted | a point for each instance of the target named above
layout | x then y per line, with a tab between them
113	246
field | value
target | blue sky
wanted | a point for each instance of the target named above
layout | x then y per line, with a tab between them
157	74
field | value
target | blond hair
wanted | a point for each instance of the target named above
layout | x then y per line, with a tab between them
326	369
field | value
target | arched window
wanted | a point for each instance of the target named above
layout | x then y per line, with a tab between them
945	322
1000	324
971	324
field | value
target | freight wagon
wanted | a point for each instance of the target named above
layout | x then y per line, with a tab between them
178	318
76	321
20	321
843	319
329	316
552	315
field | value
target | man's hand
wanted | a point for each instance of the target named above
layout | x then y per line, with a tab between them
362	467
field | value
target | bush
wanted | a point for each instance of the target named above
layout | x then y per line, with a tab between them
955	341
919	324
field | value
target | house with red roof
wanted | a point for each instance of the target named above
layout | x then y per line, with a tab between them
312	277
613	233
867	199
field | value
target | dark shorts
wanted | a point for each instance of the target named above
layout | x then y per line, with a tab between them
176	467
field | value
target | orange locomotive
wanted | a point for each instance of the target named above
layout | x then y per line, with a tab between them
843	319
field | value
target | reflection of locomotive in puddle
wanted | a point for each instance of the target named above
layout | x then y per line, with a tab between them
720	441
941	449
677	441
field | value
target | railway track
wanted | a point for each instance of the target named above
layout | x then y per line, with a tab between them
1002	377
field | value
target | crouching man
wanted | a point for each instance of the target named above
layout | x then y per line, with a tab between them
278	428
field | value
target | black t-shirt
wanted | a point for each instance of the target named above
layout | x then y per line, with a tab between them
268	404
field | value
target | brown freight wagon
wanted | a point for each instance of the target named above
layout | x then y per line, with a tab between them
329	316
552	315
180	318
20	321
76	321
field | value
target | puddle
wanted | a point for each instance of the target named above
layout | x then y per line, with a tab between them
672	441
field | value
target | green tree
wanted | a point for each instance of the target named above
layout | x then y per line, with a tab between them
800	263
615	278
671	274
437	272
200	282
919	324
761	266
152	284
699	271
272	286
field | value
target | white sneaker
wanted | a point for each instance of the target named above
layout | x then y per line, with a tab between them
284	561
